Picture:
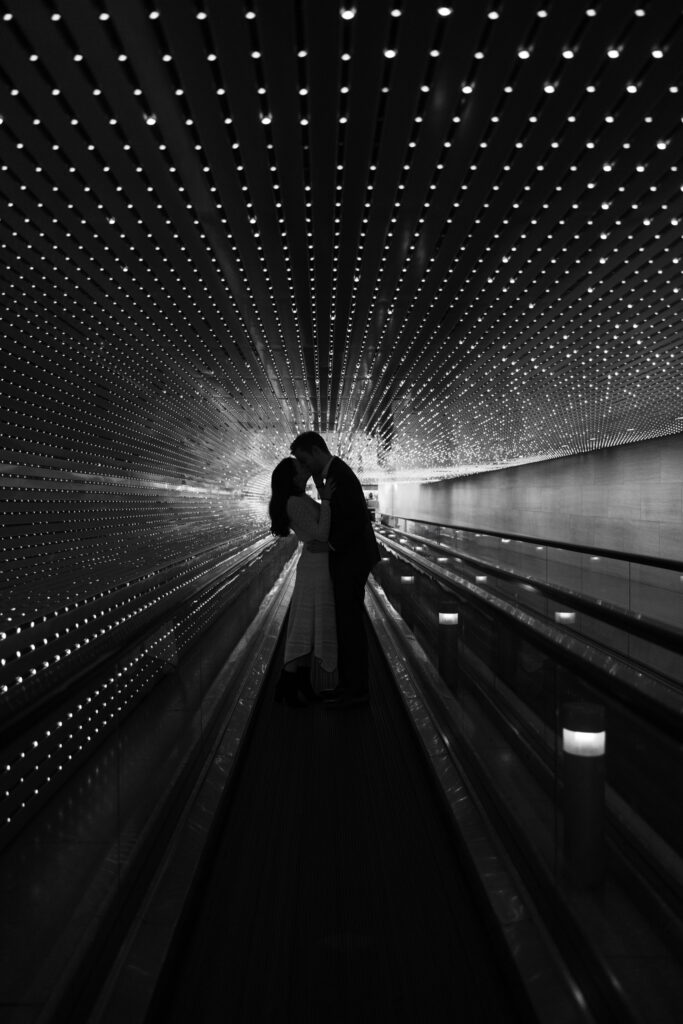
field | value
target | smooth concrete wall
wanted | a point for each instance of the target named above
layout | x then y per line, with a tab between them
628	498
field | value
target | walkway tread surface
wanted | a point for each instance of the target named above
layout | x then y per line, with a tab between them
335	892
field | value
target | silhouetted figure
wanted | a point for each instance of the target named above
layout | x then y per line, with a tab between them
311	629
353	551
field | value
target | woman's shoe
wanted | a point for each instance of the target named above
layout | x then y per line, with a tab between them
295	700
335	696
304	685
287	690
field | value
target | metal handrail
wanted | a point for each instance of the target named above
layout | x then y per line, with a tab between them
623	682
648	629
622	556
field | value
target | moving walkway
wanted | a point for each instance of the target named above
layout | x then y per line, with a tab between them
327	864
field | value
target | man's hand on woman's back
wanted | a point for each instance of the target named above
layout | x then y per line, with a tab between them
317	547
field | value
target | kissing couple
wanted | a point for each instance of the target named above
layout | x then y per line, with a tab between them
338	549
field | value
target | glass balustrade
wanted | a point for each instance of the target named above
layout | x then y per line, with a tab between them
513	657
648	593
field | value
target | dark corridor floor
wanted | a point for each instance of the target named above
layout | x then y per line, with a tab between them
335	893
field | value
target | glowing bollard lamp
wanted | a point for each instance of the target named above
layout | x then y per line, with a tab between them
449	635
583	745
407	597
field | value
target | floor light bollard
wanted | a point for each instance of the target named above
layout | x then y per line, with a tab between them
583	746
407	595
449	632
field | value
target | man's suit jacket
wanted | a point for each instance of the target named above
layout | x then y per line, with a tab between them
352	537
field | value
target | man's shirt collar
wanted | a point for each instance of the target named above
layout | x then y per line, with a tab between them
327	467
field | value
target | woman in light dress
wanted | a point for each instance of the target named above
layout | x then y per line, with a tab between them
311	631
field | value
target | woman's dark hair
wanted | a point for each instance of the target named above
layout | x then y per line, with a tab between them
283	487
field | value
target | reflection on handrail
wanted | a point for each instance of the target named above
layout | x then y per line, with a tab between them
621	556
633	622
652	695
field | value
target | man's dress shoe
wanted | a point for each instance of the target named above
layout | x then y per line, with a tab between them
344	699
358	700
335	696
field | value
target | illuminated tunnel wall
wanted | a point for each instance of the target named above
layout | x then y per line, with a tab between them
448	237
627	499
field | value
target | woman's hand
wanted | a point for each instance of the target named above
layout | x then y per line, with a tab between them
327	490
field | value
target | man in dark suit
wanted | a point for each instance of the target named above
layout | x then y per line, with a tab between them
352	551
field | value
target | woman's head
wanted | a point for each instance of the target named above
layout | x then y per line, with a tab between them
289	477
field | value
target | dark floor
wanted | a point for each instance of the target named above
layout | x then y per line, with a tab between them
335	894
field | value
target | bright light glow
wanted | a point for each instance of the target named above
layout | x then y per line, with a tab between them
583	744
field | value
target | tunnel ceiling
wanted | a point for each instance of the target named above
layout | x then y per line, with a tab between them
449	238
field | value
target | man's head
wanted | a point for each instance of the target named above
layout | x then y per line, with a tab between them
311	451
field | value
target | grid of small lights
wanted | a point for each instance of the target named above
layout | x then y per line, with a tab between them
292	306
248	309
304	122
389	53
476	363
220	226
40	760
378	365
422	316
106	391
346	42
